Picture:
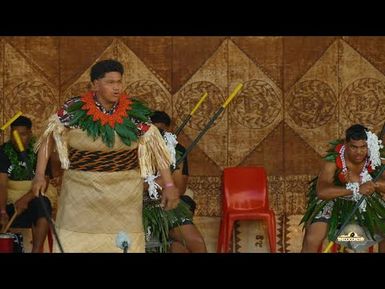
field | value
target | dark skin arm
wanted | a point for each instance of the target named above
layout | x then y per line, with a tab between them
39	184
22	203
380	185
326	190
180	180
170	195
3	198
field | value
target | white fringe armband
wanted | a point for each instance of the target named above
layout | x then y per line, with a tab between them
153	154
58	131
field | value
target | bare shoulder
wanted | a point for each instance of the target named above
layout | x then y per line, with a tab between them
3	177
328	168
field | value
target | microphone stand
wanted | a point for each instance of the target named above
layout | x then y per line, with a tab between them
23	156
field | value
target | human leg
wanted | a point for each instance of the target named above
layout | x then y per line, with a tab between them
189	237
314	236
40	224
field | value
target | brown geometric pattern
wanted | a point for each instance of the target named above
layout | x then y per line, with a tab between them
1	88
312	103
26	89
257	106
292	233
295	193
256	111
186	99
98	161
251	236
280	219
365	99
206	195
298	93
361	89
277	193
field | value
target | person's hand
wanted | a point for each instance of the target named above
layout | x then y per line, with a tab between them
4	218
22	204
39	185
170	197
379	185
160	182
56	181
368	188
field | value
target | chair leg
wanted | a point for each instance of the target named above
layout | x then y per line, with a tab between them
225	233
222	234
271	227
229	229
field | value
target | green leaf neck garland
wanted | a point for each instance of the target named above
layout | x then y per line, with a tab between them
128	120
20	170
372	219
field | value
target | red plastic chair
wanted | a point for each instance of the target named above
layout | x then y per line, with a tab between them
245	197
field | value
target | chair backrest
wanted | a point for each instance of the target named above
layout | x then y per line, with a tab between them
245	188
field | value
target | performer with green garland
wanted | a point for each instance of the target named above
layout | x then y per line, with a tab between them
16	172
346	175
174	229
107	145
